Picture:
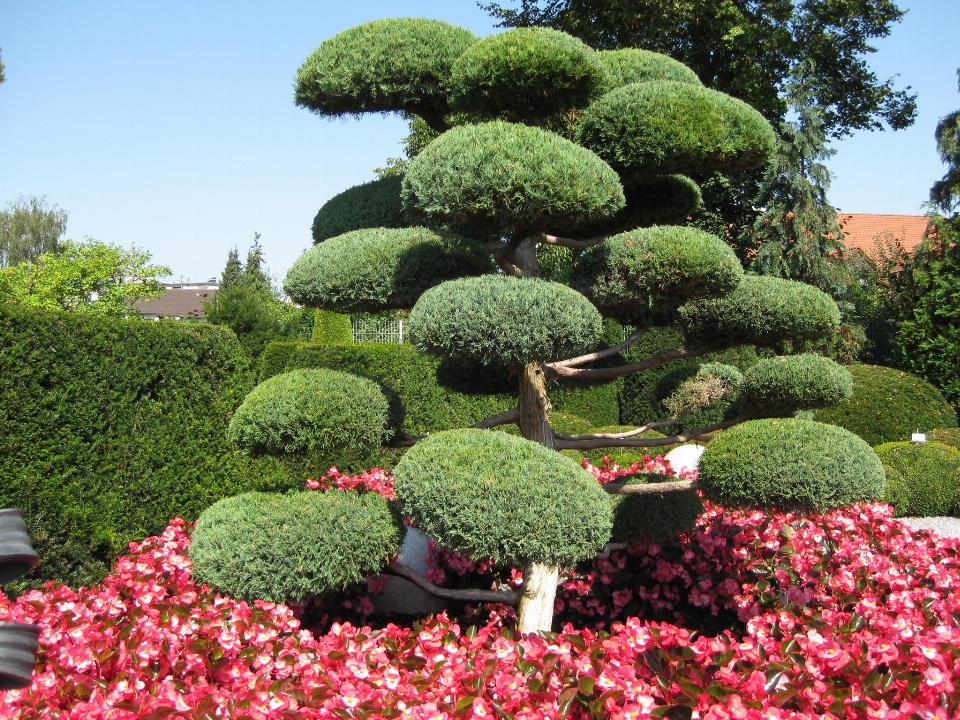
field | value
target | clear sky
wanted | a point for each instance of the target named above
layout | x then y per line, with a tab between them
170	124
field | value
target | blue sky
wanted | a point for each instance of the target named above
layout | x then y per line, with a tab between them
169	124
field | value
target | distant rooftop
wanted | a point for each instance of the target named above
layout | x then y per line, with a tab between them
862	230
182	301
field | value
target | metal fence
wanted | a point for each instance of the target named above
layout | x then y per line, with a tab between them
385	331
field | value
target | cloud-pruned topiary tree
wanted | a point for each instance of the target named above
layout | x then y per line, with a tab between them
543	143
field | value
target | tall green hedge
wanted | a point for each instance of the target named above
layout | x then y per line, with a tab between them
427	394
109	428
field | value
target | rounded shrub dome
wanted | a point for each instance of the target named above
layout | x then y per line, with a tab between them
789	464
637	275
381	268
761	311
505	179
311	411
633	65
889	405
296	546
923	479
503	320
525	75
371	205
673	127
491	495
796	382
382	66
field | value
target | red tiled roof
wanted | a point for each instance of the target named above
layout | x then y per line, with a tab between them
861	230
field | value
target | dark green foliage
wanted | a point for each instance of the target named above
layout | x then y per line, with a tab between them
373	204
109	428
398	64
945	193
657	200
502	320
888	405
789	464
525	75
923	479
257	318
670	127
381	269
330	328
653	517
762	311
492	495
795	382
501	179
311	411
928	337
948	436
293	547
642	394
642	276
632	65
428	394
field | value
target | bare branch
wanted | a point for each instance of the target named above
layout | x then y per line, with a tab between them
651	488
698	434
615	436
495	596
554	370
402	439
601	354
503	418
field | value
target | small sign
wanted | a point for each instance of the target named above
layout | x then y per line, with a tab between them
919	437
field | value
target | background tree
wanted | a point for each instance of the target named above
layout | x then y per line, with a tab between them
3	78
247	302
91	277
945	193
28	229
514	171
749	49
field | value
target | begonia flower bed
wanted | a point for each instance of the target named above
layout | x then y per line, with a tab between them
751	615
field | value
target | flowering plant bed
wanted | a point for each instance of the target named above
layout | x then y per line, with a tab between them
751	615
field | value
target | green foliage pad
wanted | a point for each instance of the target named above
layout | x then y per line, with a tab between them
795	382
296	546
381	269
501	179
373	204
633	65
507	321
311	411
789	464
923	479
491	495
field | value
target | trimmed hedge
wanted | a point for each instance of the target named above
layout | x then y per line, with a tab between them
373	204
525	75
538	507
658	128
653	517
795	382
312	411
501	179
789	464
382	66
427	394
381	268
642	394
640	276
923	479
109	428
503	320
296	546
947	436
889	405
330	328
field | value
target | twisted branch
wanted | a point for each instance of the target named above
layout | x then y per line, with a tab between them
616	436
602	354
651	488
558	369
505	597
697	434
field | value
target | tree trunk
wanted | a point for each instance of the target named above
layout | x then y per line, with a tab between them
535	406
535	614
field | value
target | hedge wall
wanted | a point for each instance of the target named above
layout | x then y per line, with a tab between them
108	428
427	394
